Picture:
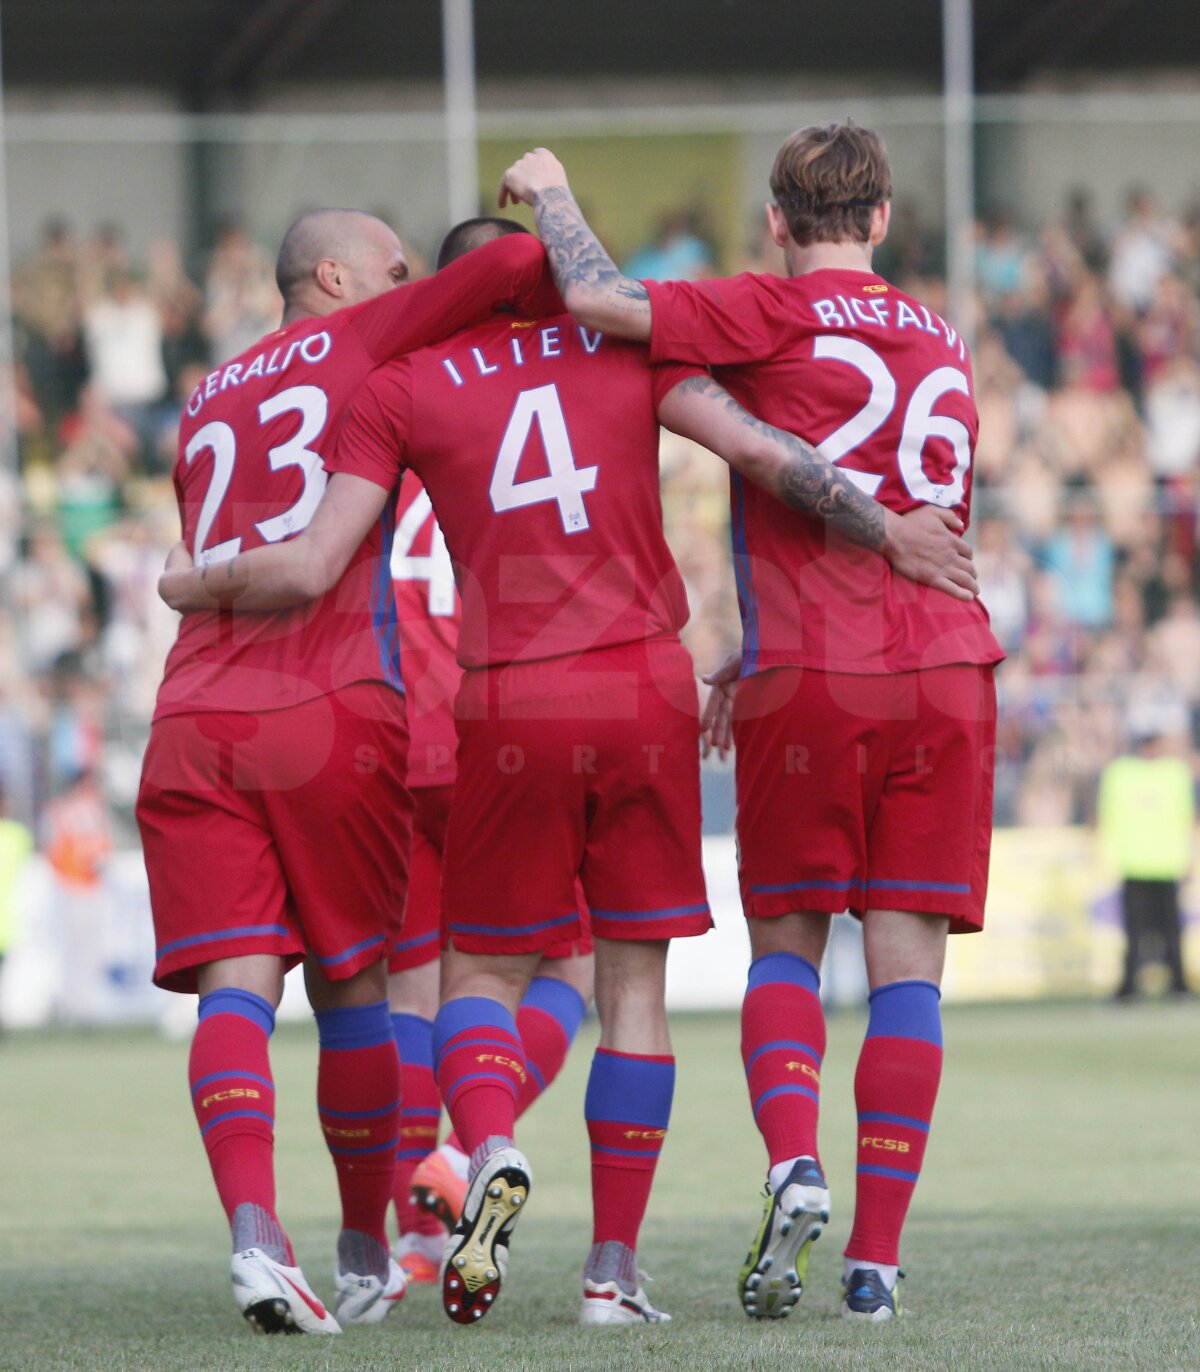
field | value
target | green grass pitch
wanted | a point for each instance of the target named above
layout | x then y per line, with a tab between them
1057	1225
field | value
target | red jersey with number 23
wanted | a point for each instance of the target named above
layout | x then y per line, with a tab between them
250	471
429	610
538	443
882	387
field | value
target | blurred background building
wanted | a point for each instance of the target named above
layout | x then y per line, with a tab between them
155	152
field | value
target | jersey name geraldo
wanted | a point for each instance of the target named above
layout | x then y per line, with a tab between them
849	312
550	342
311	349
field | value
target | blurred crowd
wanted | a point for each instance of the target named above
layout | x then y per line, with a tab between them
1087	368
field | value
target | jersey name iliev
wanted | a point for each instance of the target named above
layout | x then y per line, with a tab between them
554	340
311	349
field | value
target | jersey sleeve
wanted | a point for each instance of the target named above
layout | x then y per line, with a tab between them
667	375
372	439
510	271
718	322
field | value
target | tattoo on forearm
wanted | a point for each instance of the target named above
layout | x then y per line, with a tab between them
809	483
576	256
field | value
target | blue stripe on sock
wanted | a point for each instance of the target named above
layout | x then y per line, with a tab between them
558	999
414	1039
906	1010
905	1121
354	1114
783	1091
238	1115
893	1172
792	1045
531	1068
362	1152
458	1082
354	1026
469	1012
228	1000
630	1090
224	1076
783	967
629	1152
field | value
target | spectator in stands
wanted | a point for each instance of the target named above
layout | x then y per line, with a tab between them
1143	252
16	844
1082	558
241	300
679	251
124	333
1000	254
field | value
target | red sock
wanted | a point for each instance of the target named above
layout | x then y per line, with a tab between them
420	1108
548	1019
895	1089
358	1102
628	1108
480	1066
783	1043
233	1095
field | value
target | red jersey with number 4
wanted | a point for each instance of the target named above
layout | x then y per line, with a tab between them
429	611
250	471
538	443
881	386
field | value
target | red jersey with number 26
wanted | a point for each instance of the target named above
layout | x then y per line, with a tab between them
538	443
882	387
429	611
250	471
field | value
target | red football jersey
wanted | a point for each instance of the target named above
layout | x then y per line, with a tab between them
250	471
429	610
538	443
882	386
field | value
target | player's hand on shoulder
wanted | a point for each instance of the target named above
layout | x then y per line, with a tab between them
537	171
926	546
716	721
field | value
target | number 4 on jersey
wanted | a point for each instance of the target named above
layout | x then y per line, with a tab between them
565	484
435	568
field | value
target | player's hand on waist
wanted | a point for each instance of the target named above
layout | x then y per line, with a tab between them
926	546
537	171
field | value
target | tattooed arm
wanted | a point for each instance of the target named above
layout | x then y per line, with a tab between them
588	280
923	545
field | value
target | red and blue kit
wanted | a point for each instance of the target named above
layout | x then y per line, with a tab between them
882	387
256	710
538	444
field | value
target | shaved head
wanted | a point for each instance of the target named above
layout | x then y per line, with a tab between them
474	233
331	258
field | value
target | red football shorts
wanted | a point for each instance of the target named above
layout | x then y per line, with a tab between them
859	792
422	935
581	767
285	832
419	942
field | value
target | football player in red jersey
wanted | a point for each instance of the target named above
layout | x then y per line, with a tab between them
577	718
272	808
864	715
553	1007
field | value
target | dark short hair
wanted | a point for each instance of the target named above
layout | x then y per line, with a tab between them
474	233
828	179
